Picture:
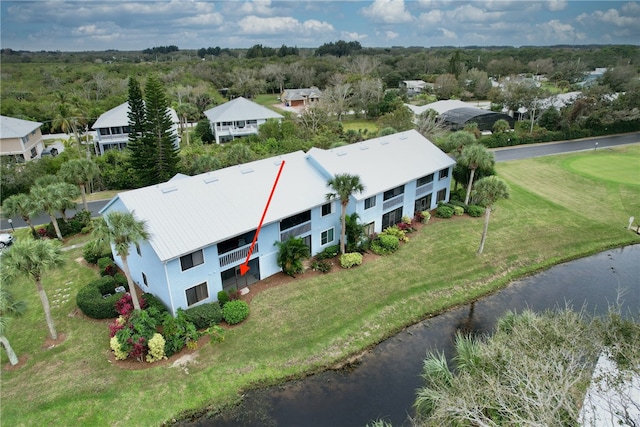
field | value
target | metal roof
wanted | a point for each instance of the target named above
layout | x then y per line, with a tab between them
190	213
16	128
384	163
119	116
240	109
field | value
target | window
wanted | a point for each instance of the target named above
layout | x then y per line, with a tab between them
425	180
369	229
444	173
197	293
393	193
294	220
423	204
144	279
370	202
326	236
442	195
191	260
326	209
34	153
391	218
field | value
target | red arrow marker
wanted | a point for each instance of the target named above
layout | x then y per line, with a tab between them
245	267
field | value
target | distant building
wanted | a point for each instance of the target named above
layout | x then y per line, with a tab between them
457	114
20	139
414	87
112	128
237	118
300	97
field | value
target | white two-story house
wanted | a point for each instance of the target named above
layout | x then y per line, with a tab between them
202	227
237	118
112	128
20	139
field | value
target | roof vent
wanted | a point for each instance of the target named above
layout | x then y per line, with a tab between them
364	147
403	136
210	179
341	153
168	190
384	142
278	162
246	171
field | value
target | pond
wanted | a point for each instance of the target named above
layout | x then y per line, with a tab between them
383	383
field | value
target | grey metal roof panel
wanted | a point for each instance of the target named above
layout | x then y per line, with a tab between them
386	162
191	213
240	109
119	116
16	128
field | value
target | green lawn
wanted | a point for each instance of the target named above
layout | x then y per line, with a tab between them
554	214
359	125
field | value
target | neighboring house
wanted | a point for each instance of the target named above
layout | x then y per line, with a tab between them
300	97
20	139
414	87
202	227
592	77
112	128
457	114
237	118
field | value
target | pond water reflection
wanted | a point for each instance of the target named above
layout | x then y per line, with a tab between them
383	384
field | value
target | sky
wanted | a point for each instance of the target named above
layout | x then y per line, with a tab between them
96	25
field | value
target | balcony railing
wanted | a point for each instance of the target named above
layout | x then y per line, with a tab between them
239	254
398	200
117	137
234	130
295	231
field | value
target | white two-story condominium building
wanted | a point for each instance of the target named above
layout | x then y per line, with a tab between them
237	118
112	128
202	227
20	139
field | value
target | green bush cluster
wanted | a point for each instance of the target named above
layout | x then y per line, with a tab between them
223	298
321	266
458	210
328	252
71	226
395	231
153	302
94	250
107	267
385	244
93	304
475	210
235	311
349	260
444	211
178	332
204	315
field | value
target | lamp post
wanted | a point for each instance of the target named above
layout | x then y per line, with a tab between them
10	221
596	147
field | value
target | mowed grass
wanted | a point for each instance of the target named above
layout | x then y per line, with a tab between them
554	214
359	125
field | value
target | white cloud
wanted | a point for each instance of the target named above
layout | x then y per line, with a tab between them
282	25
256	7
556	31
430	18
388	12
390	35
612	16
556	5
469	13
204	19
448	34
353	36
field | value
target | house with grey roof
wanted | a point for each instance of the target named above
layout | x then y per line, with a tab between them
238	118
20	139
300	97
202	227
414	87
112	128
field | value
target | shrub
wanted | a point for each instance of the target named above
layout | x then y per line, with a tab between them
153	302
156	348
92	303
124	306
321	266
107	266
328	252
385	244
349	260
235	312
234	294
223	297
426	216
291	254
396	232
178	331
444	211
458	210
133	338
94	250
204	315
475	210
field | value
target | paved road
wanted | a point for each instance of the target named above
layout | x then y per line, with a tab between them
537	150
501	154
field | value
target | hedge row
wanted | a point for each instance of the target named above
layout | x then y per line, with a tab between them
98	299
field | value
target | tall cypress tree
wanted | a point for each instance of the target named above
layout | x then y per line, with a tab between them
158	135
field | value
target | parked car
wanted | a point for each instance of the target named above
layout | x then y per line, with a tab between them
5	240
49	151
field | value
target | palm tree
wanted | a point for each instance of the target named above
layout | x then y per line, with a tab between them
291	253
80	172
46	200
122	230
22	205
32	258
456	142
9	307
475	156
343	186
486	192
66	194
67	119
